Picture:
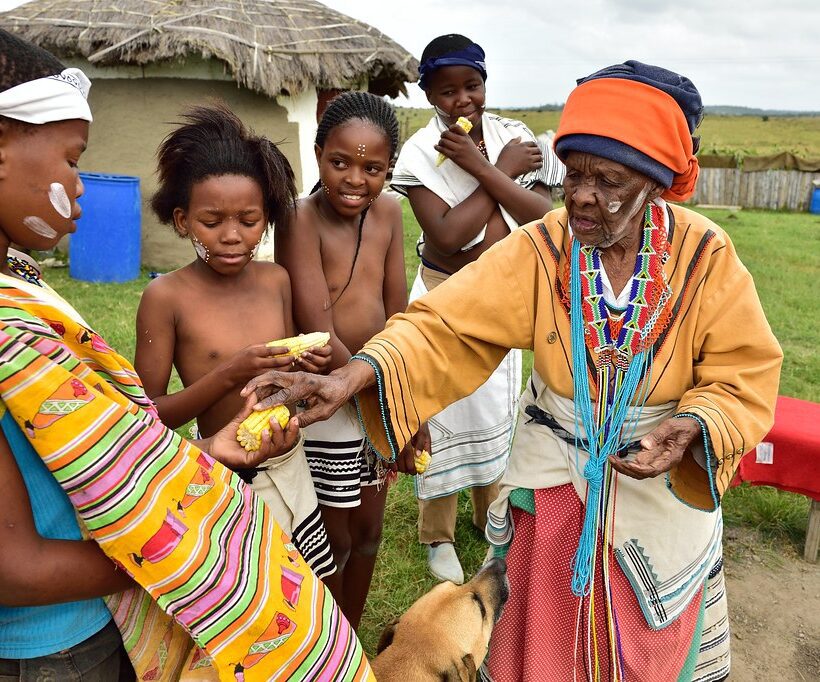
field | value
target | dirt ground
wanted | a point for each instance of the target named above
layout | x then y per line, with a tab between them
774	609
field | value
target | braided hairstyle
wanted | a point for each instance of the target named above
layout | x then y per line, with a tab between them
214	142
362	106
358	106
21	62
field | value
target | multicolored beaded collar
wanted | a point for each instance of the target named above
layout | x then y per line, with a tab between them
621	348
24	270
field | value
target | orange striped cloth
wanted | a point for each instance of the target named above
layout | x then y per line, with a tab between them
213	566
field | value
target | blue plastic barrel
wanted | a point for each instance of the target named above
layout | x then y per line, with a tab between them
106	245
814	206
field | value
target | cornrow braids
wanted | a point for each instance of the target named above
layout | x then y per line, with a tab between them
355	105
214	142
358	106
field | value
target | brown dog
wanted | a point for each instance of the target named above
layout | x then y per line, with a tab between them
445	634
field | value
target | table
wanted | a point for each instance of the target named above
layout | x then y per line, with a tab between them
795	461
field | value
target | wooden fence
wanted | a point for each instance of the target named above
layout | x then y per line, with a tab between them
771	189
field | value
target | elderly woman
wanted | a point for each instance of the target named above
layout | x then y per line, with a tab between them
654	371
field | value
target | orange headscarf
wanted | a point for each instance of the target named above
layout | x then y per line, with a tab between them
640	116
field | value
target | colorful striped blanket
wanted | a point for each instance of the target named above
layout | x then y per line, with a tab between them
224	593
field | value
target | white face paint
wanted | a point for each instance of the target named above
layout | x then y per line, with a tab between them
613	206
39	227
201	249
59	199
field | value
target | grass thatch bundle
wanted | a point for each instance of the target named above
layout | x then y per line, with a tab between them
271	46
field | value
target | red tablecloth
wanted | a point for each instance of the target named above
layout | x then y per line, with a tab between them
796	462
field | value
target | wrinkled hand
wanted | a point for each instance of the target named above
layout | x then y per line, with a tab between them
323	395
315	360
253	360
517	158
275	441
457	145
661	449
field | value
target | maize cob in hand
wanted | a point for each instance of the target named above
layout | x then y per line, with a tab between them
297	345
422	461
249	433
465	125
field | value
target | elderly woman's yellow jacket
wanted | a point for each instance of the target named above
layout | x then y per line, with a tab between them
717	358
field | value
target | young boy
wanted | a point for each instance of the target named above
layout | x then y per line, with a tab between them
467	191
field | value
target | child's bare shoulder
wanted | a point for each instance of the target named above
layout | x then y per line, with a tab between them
387	204
306	217
165	288
386	211
271	275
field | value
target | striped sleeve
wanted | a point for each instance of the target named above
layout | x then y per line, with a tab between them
201	544
448	343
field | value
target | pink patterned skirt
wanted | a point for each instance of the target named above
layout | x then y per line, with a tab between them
535	640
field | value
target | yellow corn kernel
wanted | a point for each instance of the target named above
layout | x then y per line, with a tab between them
422	461
465	125
249	433
297	345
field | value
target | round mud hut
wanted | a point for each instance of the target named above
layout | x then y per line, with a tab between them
275	63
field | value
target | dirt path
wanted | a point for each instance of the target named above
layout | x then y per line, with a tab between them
774	608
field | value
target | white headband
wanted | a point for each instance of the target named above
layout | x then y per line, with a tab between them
46	100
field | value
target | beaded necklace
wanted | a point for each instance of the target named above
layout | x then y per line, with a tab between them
621	350
24	270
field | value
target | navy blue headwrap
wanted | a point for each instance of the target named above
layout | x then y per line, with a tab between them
472	56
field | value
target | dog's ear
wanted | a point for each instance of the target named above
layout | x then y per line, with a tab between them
386	638
461	671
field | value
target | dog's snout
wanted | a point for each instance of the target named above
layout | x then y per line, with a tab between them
495	571
496	565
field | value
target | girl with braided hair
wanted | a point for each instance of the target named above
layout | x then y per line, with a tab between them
344	254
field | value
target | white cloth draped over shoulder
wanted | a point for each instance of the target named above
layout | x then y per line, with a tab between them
416	165
471	438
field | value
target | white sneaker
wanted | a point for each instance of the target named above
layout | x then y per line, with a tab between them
443	563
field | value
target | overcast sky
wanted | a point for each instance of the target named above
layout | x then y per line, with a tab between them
756	53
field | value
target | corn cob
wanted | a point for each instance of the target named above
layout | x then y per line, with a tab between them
462	123
249	433
297	345
422	460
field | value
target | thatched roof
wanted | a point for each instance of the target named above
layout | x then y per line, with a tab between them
272	46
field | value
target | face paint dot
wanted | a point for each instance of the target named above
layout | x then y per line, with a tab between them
39	227
613	206
59	199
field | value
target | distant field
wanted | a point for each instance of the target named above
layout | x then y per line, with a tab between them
743	135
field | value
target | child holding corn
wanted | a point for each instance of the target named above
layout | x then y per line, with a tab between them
221	186
471	177
82	450
344	254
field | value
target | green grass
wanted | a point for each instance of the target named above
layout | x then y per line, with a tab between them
782	250
738	135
